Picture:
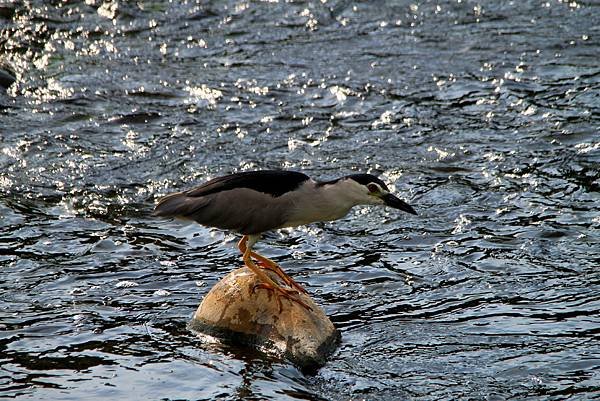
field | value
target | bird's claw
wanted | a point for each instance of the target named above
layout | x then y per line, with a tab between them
281	274
291	295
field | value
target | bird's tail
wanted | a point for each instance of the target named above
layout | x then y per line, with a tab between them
167	206
178	205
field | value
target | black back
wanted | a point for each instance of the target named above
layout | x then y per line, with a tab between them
362	179
272	182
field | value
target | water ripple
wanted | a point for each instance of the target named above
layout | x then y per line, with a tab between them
482	116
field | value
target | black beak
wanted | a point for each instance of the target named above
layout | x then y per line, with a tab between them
392	201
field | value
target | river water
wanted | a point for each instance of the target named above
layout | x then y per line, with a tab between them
485	116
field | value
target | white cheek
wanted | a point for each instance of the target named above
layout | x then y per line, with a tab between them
368	199
377	200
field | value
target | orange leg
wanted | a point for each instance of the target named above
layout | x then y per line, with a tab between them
268	264
267	282
274	267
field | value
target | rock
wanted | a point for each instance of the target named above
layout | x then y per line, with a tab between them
231	312
7	11
6	78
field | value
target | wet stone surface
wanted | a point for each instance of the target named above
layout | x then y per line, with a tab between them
236	311
482	115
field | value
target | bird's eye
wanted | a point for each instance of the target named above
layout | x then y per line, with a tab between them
374	188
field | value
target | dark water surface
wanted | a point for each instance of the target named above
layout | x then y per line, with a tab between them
484	115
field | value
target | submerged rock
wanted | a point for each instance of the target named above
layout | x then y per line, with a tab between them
6	78
232	312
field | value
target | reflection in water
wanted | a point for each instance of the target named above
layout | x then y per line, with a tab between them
484	116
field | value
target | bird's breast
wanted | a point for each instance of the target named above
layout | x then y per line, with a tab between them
306	214
312	203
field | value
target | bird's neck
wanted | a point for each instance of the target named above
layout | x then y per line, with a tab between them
322	203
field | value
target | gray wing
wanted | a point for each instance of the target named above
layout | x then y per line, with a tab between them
240	209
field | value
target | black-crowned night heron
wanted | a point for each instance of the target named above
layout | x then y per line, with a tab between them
253	202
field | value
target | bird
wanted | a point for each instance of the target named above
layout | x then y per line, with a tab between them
251	203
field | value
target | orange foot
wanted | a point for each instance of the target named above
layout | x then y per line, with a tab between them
268	264
279	292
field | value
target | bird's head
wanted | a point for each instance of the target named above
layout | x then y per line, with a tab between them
372	191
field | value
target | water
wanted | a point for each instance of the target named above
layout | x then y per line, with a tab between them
484	116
